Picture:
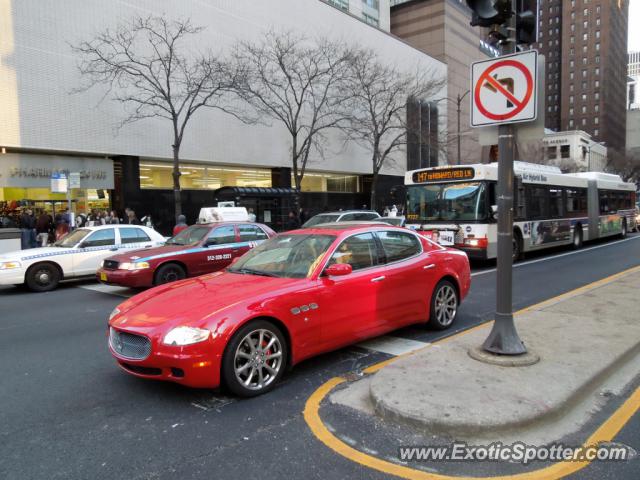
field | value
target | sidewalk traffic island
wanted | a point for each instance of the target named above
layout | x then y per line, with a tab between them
581	340
580	392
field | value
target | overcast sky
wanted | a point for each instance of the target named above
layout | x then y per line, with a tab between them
634	22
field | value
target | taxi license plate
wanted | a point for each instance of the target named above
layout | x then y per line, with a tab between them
103	276
446	237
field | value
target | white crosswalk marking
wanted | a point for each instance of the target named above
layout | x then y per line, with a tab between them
110	289
392	345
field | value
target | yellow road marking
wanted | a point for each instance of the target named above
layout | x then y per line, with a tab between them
605	433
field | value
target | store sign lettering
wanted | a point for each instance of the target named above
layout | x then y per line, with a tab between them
41	172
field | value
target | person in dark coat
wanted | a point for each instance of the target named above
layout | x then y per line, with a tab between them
27	230
292	221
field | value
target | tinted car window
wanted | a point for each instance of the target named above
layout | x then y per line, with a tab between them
398	245
101	238
133	235
347	217
365	216
322	218
250	233
359	251
222	236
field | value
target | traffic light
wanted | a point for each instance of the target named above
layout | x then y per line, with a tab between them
526	24
487	13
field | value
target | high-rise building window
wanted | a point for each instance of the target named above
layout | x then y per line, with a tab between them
572	51
584	24
597	96
585	37
597	33
573	39
596	107
584	122
597	58
596	132
341	4
571	87
584	73
584	97
597	8
598	21
585	12
570	98
584	60
570	75
597	47
584	109
571	63
571	111
571	123
597	70
596	120
573	27
596	83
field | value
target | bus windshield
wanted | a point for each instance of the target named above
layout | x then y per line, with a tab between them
454	202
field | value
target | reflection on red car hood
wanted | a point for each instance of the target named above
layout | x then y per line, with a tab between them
148	252
196	300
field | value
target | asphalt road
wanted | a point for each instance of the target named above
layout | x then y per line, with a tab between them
67	411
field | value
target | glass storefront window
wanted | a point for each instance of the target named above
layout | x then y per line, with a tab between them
201	177
41	198
329	182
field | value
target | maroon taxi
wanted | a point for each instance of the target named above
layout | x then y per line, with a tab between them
197	250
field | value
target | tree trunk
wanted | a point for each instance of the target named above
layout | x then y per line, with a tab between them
374	183
176	181
297	180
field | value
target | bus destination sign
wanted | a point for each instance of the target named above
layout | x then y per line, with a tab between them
443	174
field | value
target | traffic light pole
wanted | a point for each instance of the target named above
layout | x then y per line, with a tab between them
504	339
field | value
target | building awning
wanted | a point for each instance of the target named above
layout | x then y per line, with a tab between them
254	191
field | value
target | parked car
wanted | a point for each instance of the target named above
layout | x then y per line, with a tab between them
296	295
346	216
199	249
399	221
78	254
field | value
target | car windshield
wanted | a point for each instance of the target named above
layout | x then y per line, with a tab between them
73	238
289	256
447	202
322	218
189	236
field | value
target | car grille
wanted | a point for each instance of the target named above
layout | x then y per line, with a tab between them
128	345
110	265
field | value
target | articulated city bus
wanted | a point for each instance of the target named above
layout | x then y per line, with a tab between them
457	206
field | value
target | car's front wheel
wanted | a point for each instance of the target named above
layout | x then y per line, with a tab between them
42	277
444	305
255	359
170	272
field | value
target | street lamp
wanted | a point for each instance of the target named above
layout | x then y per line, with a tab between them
458	102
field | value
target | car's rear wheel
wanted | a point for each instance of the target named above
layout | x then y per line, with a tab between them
42	277
444	305
255	359
168	273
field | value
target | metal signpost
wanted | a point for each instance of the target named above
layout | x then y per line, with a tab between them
503	92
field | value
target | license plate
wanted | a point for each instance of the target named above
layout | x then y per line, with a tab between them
446	238
103	276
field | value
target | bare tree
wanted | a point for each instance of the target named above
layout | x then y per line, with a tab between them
378	94
294	81
145	66
624	163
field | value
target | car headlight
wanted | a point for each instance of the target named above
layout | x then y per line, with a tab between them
9	265
133	266
186	336
115	312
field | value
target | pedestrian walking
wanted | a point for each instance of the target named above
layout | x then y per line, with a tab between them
251	215
181	225
132	219
112	218
292	221
44	227
27	230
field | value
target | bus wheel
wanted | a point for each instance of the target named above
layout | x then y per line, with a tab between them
577	236
517	246
623	233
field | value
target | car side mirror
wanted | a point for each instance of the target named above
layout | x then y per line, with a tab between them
338	270
82	245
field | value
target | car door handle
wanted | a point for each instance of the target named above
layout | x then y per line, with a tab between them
378	279
430	266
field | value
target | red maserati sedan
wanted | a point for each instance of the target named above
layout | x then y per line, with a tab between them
296	295
197	250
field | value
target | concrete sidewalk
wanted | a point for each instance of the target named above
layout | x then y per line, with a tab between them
588	341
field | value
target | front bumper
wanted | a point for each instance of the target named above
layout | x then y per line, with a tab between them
126	278
14	276
196	365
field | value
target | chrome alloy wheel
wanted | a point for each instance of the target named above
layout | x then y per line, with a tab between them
258	359
446	305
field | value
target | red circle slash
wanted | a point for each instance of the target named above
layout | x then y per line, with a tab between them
519	104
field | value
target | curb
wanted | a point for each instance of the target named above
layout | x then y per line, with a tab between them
443	428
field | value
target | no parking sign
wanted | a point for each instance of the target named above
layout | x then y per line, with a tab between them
503	89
